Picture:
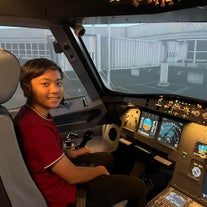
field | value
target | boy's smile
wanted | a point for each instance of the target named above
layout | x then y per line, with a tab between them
46	92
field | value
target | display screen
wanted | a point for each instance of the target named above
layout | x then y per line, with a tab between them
148	124
201	150
175	199
204	189
170	132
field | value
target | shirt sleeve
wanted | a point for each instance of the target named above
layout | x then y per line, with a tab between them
44	145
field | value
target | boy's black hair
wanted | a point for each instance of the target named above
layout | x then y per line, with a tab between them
35	68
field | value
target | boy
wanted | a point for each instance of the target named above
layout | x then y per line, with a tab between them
50	166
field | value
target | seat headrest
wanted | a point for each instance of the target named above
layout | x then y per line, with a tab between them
9	75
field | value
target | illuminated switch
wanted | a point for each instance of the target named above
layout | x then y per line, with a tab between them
185	155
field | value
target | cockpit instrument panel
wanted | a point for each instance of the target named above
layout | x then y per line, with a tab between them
178	107
153	132
148	124
130	119
200	149
172	197
176	199
196	169
170	132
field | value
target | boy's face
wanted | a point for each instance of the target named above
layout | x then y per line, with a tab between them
47	91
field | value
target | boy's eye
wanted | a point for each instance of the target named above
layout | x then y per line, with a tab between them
59	83
45	84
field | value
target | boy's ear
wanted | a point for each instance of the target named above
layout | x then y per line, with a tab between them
27	89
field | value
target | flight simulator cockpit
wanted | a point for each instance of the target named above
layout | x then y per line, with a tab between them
173	142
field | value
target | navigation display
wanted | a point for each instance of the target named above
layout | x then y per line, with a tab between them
148	124
170	132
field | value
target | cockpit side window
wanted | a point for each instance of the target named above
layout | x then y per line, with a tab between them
29	43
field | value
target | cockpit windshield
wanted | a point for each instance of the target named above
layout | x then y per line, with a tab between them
151	58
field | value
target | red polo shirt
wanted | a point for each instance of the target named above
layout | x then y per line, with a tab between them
42	147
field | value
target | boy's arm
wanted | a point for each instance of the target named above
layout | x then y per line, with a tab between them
76	174
73	153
